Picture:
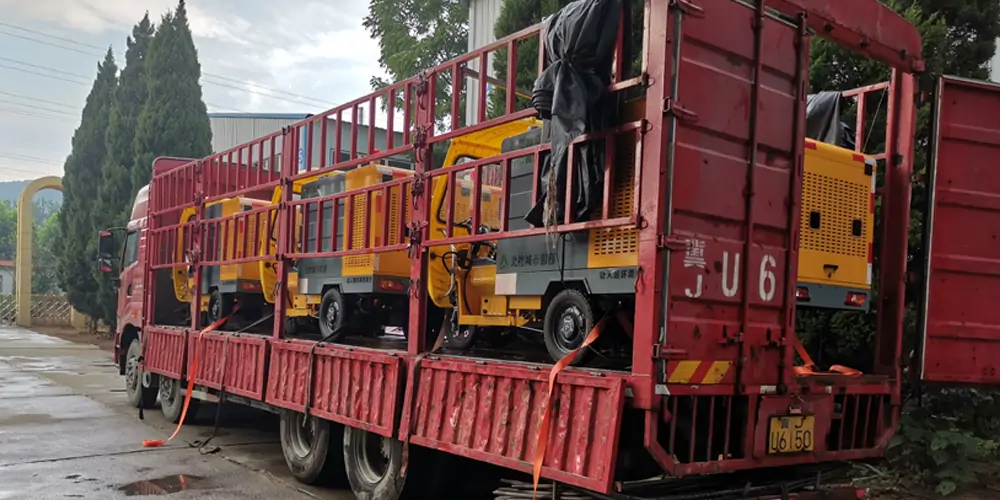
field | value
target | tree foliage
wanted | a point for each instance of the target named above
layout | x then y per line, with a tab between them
115	192
82	176
516	15
417	35
8	230
45	227
44	272
938	440
174	120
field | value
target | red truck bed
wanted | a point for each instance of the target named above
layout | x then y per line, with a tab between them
719	157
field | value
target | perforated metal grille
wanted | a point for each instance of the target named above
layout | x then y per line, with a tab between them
622	240
359	206
839	204
394	222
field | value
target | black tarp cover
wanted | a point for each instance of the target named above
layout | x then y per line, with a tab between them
823	120
579	47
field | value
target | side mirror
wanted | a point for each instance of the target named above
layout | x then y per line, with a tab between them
106	246
106	252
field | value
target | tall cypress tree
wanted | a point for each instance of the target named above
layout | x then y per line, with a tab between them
174	120
82	176
114	195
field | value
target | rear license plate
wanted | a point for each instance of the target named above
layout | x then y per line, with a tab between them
791	434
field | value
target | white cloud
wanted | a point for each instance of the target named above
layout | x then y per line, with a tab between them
316	48
91	16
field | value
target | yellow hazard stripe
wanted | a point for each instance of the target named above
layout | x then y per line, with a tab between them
683	372
717	372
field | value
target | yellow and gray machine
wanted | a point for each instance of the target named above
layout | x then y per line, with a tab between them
223	286
554	285
369	284
560	290
372	288
836	228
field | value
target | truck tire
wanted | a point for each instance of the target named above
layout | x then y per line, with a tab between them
373	464
306	447
332	314
568	321
137	394
172	401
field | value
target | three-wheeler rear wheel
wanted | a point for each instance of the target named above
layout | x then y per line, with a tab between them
332	314
220	306
568	321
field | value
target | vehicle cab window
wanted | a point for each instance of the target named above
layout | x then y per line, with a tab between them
131	253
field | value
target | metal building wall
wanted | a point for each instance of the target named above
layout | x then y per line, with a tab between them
232	129
483	15
995	64
314	144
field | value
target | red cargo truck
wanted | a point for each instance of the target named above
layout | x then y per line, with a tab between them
711	383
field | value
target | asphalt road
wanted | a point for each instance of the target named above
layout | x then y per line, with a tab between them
66	431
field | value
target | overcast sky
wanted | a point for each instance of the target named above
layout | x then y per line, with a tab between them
256	56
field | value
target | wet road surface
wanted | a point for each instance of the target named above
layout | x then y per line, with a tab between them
66	432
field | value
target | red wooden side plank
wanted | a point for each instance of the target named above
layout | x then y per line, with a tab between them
962	322
356	387
492	413
163	350
238	358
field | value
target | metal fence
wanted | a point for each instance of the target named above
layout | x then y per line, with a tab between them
46	310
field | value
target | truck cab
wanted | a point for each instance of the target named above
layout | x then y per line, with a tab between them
122	255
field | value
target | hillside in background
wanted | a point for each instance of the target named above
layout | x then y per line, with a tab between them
11	190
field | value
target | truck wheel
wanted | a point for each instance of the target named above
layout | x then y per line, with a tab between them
373	464
172	401
219	306
568	321
305	443
138	393
332	313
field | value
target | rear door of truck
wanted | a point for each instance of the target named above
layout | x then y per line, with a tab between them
960	323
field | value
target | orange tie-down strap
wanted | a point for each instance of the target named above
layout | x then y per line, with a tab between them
808	367
543	428
152	443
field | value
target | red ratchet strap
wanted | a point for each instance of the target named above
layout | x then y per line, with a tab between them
543	428
809	367
153	443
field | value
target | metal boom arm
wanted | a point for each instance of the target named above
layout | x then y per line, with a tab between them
868	27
